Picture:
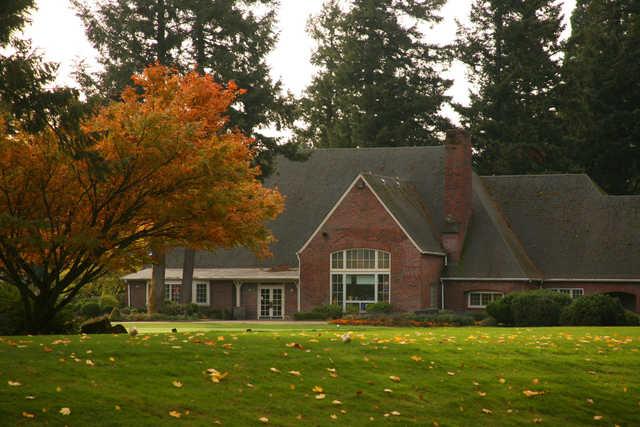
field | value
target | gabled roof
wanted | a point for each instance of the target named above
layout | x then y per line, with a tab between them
312	188
491	248
569	227
408	209
404	206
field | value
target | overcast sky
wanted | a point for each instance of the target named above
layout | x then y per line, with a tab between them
59	33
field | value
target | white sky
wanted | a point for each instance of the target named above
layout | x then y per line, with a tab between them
60	35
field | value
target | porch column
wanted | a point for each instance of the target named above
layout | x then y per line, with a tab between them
238	286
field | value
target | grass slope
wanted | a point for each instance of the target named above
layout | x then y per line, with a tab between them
441	376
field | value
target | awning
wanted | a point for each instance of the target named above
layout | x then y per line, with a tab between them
244	274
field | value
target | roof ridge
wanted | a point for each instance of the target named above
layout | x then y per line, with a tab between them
536	175
377	148
395	178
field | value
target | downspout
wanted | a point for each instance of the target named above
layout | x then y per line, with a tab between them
442	293
298	256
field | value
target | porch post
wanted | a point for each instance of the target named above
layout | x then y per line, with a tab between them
238	286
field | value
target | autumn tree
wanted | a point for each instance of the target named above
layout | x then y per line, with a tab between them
512	51
601	95
379	81
160	168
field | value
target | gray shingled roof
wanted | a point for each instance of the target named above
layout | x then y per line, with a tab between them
544	226
313	186
491	248
408	208
570	228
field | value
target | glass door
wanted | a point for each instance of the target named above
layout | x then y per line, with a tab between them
271	302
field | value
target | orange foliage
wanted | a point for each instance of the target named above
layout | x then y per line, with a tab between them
163	170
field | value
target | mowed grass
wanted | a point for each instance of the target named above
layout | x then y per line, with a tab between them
402	376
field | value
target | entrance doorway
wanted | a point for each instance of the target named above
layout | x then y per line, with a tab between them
270	302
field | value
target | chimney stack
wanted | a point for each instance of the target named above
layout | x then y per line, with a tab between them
457	191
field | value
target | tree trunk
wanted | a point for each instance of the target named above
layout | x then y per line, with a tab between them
156	287
39	315
187	275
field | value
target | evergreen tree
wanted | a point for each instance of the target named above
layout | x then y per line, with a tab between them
378	82
602	92
225	38
27	99
511	49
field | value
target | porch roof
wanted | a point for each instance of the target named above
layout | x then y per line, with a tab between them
247	274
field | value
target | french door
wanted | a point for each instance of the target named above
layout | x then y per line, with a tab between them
270	302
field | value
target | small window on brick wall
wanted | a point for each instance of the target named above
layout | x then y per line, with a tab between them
572	292
482	299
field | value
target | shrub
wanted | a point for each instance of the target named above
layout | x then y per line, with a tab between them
323	312
91	309
538	308
530	308
108	303
631	318
171	308
380	307
500	309
594	310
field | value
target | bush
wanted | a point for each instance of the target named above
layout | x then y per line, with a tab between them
380	307
108	303
594	310
443	318
631	318
500	309
91	309
530	308
171	308
323	312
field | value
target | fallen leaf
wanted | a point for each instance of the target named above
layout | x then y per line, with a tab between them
320	396
598	417
535	381
388	390
337	402
175	414
416	358
317	389
482	394
502	381
30	397
263	420
487	411
394	378
396	413
177	384
118	407
89	362
333	416
295	373
14	383
531	393
28	414
451	373
65	411
276	370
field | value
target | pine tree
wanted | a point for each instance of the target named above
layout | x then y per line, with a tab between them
511	49
379	81
602	92
225	38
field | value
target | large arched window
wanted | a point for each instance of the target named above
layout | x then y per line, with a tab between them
359	277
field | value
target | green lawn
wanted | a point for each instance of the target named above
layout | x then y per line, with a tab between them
438	376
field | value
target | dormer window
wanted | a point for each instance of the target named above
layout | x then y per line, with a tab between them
360	277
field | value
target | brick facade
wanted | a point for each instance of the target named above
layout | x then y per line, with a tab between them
361	221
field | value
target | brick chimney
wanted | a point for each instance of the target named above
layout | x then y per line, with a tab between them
457	191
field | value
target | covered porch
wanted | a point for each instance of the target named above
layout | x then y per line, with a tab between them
248	293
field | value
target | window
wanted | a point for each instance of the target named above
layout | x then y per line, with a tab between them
572	292
482	299
359	277
202	293
172	292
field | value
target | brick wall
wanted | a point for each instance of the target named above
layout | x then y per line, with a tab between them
457	191
360	221
591	288
455	291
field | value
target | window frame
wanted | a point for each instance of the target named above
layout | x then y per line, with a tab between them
493	298
570	291
377	271
171	284
194	293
